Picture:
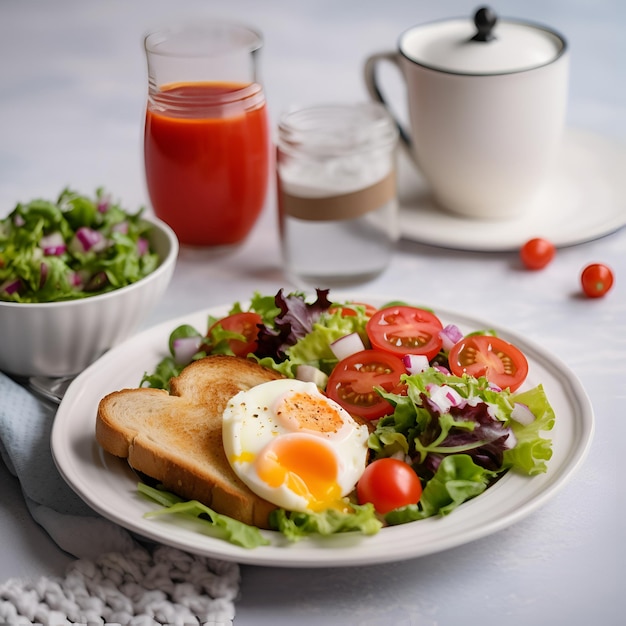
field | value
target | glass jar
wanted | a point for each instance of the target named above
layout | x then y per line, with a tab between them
337	202
207	137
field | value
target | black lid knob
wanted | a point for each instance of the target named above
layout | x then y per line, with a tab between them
484	19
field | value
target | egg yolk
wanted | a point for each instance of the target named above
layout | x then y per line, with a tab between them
304	411
306	467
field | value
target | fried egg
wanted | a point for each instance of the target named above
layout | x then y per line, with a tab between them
293	446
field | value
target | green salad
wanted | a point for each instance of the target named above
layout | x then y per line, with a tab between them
74	247
447	415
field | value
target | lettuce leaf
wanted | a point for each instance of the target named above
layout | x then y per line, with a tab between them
480	426
265	306
314	348
532	451
294	526
297	525
294	321
456	480
459	450
232	530
294	332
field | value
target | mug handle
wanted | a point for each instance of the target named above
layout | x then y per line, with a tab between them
375	92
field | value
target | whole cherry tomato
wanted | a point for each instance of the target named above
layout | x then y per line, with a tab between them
596	280
537	253
389	484
244	324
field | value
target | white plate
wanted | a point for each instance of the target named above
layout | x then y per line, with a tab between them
108	485
583	200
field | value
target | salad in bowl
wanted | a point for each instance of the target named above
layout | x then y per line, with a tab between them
78	274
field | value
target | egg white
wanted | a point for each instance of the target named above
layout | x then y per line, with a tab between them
254	420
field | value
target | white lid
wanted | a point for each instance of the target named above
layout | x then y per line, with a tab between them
503	46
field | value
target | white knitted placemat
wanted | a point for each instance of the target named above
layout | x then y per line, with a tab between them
138	588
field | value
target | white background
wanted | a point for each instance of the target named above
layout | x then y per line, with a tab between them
72	91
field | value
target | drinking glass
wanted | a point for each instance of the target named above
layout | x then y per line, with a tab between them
206	142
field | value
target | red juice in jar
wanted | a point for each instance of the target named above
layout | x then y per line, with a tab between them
206	150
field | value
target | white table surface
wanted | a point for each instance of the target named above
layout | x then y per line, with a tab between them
72	89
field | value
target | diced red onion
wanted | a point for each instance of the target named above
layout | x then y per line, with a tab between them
511	441
53	244
87	239
475	401
11	285
75	280
185	347
54	250
402	457
443	397
52	239
120	227
143	246
522	414
450	335
84	276
18	220
347	345
442	369
43	274
415	363
103	204
311	374
492	410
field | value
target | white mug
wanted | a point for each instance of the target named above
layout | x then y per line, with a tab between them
487	104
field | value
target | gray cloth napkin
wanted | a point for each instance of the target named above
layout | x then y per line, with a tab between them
25	427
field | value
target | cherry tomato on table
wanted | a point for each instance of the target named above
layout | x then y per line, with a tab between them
537	253
499	361
352	383
404	330
245	324
596	280
389	484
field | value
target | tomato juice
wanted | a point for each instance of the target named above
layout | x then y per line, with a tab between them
206	150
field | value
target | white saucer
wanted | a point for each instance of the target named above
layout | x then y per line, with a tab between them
583	200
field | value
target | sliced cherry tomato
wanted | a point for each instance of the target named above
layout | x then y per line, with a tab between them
596	280
389	484
537	253
404	330
245	324
348	311
497	360
352	383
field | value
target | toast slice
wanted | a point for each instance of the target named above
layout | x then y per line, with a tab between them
176	438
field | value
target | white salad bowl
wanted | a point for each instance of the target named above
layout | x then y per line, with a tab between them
57	339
